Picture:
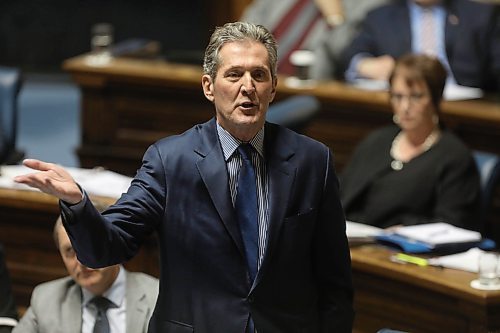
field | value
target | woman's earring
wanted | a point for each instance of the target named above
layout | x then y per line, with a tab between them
435	119
395	119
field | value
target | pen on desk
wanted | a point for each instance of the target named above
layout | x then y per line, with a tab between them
401	257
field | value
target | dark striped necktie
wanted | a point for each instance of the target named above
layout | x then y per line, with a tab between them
247	210
101	321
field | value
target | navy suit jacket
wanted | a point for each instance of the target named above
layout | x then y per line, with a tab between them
182	192
472	39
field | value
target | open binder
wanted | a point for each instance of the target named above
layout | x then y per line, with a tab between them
438	237
434	238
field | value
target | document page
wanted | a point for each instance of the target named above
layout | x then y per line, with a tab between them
439	233
359	232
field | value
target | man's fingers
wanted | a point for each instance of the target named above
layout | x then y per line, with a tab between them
37	164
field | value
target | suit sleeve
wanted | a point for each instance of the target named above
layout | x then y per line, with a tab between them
115	235
29	321
27	324
495	46
332	259
364	44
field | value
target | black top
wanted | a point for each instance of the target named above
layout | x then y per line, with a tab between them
441	184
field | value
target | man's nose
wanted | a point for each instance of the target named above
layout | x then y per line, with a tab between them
247	84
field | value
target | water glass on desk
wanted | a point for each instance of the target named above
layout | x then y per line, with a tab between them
489	268
102	37
101	41
302	60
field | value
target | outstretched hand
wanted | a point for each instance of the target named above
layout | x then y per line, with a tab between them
51	179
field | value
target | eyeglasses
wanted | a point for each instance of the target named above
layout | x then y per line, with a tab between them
413	99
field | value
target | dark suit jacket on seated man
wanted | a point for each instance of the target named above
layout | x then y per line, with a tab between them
66	305
186	191
467	35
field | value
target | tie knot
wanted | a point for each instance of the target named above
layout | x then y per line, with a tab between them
102	303
245	150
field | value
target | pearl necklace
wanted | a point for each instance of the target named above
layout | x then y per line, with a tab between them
397	164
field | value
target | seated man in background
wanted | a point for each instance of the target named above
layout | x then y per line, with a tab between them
329	50
299	24
417	171
463	34
109	299
8	311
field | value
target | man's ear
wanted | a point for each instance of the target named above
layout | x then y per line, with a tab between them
208	87
273	92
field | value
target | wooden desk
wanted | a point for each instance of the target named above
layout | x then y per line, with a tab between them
418	299
405	297
128	104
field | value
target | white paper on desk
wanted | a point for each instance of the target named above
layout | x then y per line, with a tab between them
465	261
454	92
95	181
101	182
372	85
356	230
438	233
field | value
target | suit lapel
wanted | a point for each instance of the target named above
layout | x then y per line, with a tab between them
213	171
404	36
137	307
452	23
72	320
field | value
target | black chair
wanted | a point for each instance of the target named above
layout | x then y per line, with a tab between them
10	86
488	165
294	112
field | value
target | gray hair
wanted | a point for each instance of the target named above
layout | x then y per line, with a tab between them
234	32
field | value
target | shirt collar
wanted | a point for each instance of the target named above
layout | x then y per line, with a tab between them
115	293
229	143
416	9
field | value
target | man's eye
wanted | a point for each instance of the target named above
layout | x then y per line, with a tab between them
233	75
259	75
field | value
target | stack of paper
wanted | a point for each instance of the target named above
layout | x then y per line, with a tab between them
358	233
465	261
439	233
434	237
96	181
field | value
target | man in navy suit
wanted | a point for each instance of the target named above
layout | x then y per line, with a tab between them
186	191
466	33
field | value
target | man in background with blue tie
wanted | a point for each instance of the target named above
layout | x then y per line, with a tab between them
464	35
247	213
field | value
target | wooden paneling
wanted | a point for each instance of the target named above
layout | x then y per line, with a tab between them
128	104
418	299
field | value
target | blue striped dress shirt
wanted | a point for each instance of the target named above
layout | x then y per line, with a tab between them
233	161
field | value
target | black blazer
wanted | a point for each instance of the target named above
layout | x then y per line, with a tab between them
182	192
